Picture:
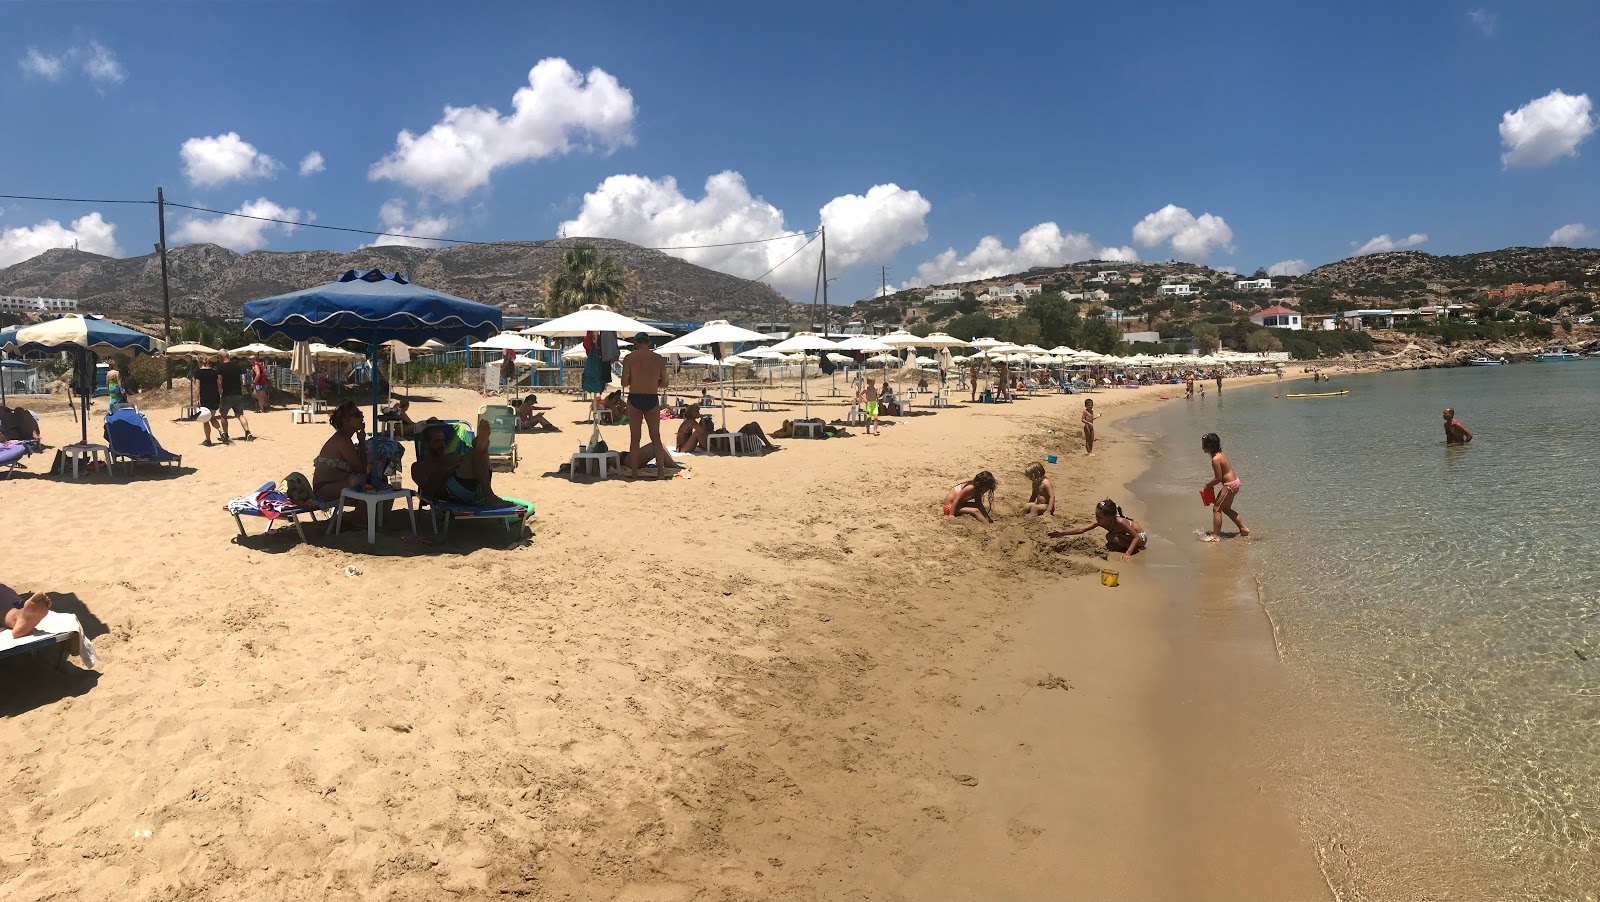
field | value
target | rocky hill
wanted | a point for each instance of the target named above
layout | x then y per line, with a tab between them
211	281
1490	269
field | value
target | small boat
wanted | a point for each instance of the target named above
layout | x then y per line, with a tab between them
1323	394
1487	361
1556	352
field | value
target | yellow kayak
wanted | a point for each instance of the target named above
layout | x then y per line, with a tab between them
1326	394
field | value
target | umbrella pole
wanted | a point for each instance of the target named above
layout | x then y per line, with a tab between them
372	367
90	377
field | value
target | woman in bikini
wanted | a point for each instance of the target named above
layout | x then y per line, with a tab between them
1122	532
969	498
692	431
1227	483
341	463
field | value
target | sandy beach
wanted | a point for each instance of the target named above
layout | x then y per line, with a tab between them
779	678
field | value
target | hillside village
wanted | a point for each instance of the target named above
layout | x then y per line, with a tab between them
1370	303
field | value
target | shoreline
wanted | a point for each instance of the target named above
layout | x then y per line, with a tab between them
767	681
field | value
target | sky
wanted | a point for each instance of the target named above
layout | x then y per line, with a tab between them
944	141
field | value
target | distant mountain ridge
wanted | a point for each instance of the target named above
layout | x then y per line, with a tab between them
211	281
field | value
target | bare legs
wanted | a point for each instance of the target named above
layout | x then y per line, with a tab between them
1223	506
21	621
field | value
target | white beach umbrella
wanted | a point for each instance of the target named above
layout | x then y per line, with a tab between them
719	331
253	350
575	353
592	318
191	349
863	343
510	341
805	341
320	351
901	339
984	344
942	340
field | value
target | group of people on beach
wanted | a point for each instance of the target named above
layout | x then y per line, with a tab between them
975	498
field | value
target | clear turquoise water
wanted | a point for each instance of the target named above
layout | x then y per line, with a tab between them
1446	595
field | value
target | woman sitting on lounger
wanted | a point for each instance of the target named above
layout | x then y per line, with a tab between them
341	464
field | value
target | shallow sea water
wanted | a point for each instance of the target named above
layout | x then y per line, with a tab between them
1434	608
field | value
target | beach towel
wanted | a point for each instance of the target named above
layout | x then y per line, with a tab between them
55	623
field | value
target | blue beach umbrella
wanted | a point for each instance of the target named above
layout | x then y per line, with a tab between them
85	335
371	306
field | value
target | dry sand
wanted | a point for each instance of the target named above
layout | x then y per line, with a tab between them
784	677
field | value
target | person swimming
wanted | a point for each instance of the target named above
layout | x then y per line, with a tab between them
1123	533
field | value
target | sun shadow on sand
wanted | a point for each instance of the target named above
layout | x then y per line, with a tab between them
32	682
392	542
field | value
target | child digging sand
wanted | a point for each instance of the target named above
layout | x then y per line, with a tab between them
968	498
1227	483
1043	499
1122	532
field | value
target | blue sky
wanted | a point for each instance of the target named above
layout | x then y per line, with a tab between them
941	140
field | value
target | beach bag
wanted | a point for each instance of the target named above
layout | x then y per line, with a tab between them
297	488
386	455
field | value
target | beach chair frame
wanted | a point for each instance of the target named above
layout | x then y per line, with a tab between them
292	516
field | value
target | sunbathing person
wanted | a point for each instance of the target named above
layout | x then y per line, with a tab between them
531	417
446	475
753	430
22	616
17	424
341	464
694	429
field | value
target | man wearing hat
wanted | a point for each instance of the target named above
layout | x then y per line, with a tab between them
644	378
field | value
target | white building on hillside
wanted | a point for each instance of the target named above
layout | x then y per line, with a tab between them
1176	289
942	294
37	305
1252	284
1277	318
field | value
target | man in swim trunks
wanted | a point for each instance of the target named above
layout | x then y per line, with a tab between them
644	378
451	476
1454	432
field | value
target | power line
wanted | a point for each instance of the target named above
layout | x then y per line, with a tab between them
371	232
790	257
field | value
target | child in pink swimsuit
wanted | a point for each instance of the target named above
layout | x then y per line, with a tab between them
1227	483
968	498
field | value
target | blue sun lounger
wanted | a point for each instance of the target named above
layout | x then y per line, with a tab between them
129	437
281	509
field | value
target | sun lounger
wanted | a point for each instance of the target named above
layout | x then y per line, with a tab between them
11	455
59	632
129	437
502	433
517	512
271	505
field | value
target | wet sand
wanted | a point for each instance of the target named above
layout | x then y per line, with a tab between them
783	677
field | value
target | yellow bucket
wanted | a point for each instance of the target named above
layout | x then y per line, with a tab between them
1108	578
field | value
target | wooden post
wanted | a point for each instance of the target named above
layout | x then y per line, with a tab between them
166	297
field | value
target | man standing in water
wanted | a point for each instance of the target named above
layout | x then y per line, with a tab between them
1454	432
644	378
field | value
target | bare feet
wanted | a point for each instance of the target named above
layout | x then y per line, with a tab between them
28	617
1244	530
1210	537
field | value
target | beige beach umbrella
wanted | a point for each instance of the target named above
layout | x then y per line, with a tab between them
259	350
190	349
591	318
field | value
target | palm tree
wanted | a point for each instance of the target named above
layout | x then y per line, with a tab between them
584	277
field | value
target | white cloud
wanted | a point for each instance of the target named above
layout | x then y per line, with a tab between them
1485	21
100	64
1573	234
1192	238
1383	244
90	232
395	218
559	109
95	60
874	226
42	65
312	164
1043	245
1287	268
243	235
224	158
1545	130
655	213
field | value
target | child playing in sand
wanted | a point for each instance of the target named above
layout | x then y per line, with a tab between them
867	397
1089	416
1227	483
1122	532
21	616
968	498
1043	499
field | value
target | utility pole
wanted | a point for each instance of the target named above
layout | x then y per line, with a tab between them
166	296
824	230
